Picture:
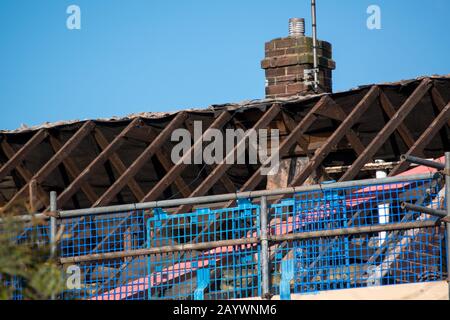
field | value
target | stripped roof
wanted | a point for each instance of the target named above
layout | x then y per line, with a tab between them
124	160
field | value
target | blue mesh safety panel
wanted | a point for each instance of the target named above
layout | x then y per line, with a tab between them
233	271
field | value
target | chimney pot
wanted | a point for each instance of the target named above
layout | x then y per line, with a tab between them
296	27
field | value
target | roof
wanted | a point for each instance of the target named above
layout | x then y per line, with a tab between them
127	160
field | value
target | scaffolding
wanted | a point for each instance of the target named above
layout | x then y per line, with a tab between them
332	236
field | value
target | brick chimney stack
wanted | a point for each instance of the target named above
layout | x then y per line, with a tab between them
286	60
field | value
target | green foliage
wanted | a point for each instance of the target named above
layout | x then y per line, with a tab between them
26	261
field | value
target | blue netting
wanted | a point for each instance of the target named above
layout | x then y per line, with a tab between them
221	273
102	234
233	271
362	260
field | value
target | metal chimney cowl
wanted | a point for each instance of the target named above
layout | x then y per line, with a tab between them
286	60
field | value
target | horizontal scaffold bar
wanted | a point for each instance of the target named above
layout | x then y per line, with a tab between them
249	241
230	197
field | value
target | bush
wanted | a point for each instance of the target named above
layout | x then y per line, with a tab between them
26	269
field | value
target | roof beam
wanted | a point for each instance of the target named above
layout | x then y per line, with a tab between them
222	168
27	176
338	134
62	154
118	165
2	200
20	155
165	161
388	129
402	129
339	114
132	170
9	152
73	170
179	168
290	125
228	184
424	140
96	163
294	137
438	100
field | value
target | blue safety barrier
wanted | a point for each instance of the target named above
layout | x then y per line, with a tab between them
234	272
203	280
287	275
363	260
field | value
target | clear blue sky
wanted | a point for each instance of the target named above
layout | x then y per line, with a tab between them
153	55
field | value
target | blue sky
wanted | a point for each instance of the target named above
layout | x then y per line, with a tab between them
153	55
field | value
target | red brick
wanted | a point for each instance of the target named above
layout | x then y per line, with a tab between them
276	53
290	78
265	64
285	43
295	88
276	89
275	72
283	61
297	69
270	46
